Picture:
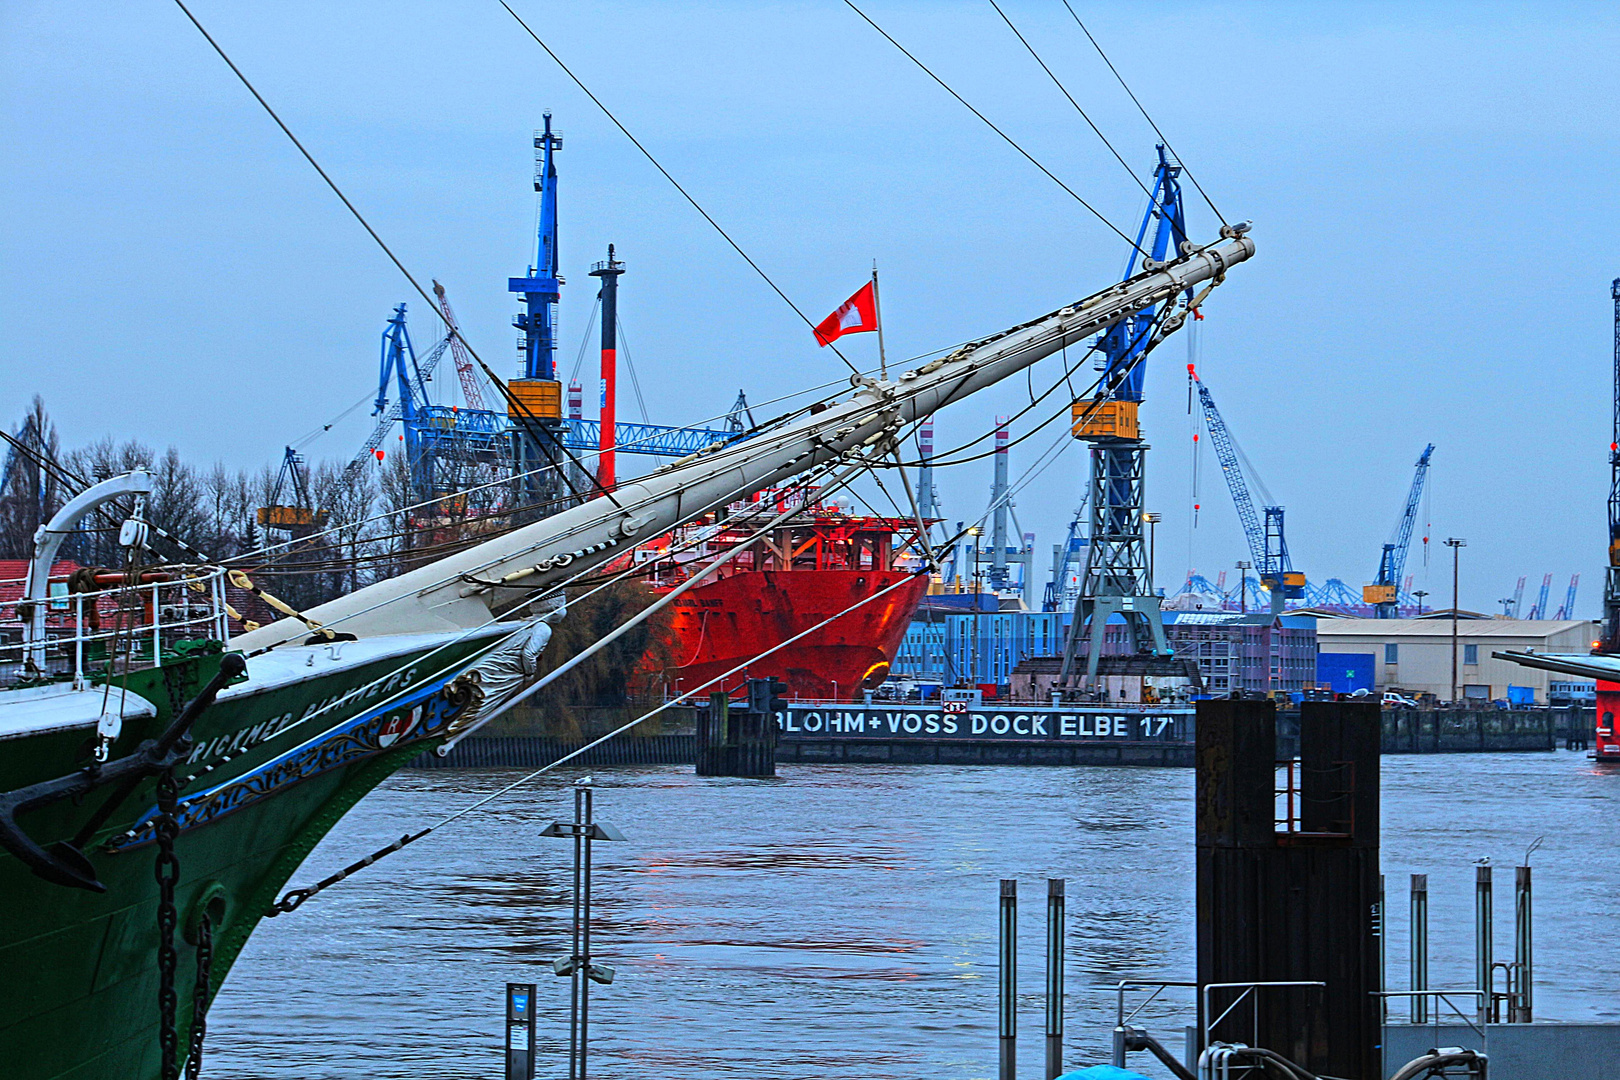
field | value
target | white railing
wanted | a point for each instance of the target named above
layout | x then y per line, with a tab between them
120	627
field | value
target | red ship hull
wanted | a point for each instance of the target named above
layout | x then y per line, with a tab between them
724	623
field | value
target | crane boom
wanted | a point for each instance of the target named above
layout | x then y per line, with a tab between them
472	586
1568	610
1268	543
1384	593
458	352
1226	453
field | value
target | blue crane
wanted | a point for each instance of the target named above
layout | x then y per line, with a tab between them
1568	610
1123	344
1071	553
1118	579
1384	593
398	364
541	289
1268	543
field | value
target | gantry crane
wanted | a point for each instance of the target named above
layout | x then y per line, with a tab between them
1268	542
1384	593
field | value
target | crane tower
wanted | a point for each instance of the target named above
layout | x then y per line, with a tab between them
535	405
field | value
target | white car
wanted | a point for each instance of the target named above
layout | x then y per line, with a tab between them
1393	700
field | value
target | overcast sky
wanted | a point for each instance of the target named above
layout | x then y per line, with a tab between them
1433	189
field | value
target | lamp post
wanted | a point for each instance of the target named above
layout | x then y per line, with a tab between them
1456	545
978	594
1152	520
1420	594
1243	568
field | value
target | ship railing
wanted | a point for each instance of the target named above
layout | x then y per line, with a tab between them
122	626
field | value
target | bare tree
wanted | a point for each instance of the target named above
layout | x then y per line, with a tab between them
29	494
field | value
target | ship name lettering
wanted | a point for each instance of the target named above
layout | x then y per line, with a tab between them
980	724
1066	725
1037	725
812	721
912	723
787	722
950	724
932	722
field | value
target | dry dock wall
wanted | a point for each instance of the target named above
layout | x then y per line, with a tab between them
1018	735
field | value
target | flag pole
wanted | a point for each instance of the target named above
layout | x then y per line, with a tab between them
877	306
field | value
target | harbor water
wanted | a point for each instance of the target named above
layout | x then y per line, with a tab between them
840	920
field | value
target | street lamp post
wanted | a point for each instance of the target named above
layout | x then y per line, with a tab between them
978	599
1456	545
1420	594
1243	568
1152	520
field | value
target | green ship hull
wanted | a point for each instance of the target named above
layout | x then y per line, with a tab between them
79	992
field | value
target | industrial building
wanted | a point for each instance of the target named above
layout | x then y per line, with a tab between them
1414	656
1255	652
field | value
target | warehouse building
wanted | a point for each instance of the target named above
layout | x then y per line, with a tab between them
1413	656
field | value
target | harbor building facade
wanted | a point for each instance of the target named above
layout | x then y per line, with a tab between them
1413	656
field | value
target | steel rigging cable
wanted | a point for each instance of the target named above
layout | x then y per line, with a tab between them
1144	113
1007	138
1065	90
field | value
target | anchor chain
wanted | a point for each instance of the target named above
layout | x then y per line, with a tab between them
167	871
199	994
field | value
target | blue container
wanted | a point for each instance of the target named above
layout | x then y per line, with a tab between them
1345	673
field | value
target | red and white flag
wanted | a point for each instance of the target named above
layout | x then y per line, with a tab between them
857	315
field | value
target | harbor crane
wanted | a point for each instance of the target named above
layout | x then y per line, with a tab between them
1058	593
1384	593
1510	604
1568	610
1268	542
1118	578
1538	610
470	390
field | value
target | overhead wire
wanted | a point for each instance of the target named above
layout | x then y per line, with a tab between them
585	341
635	381
1065	91
1008	139
1141	108
675	183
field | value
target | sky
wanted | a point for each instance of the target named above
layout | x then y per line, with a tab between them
1432	189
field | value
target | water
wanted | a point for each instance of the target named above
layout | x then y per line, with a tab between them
840	921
